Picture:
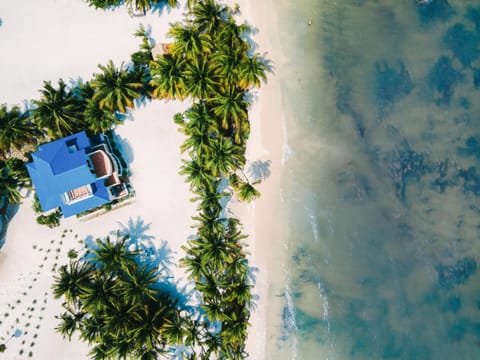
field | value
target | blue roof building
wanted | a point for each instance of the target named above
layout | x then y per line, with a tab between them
76	174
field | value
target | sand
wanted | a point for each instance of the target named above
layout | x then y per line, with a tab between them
67	39
264	219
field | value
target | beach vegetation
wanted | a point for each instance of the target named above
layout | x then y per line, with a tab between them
168	82
212	63
51	220
115	304
16	130
13	177
115	89
58	111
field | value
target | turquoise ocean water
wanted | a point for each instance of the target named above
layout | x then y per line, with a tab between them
381	180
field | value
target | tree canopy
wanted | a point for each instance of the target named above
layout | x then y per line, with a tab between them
115	304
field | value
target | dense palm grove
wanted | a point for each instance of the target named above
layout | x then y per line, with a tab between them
210	63
114	303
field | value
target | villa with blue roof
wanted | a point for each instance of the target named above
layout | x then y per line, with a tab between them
77	173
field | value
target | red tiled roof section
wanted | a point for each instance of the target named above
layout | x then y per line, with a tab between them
102	164
112	180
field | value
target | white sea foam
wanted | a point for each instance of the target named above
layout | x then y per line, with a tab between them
325	306
287	151
314	224
290	321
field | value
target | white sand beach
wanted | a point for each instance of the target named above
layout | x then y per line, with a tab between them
66	39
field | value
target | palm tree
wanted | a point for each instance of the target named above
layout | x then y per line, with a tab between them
137	283
67	325
167	79
252	72
103	351
209	222
58	111
191	3
216	252
91	330
210	200
215	311
174	330
233	233
97	293
207	15
103	4
116	89
199	129
71	281
119	318
200	79
226	64
229	35
238	268
224	157
99	120
209	286
240	293
16	129
113	256
197	143
235	333
201	117
194	264
230	105
246	191
188	41
152	319
13	176
197	175
171	3
139	5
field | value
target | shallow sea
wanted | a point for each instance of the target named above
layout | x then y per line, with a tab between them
381	180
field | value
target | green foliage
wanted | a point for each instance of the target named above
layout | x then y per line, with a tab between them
58	112
116	88
115	304
103	4
13	177
178	119
247	192
143	57
16	129
167	80
210	62
51	220
37	208
72	254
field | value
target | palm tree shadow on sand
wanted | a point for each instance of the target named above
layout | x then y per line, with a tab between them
259	170
156	257
161	7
